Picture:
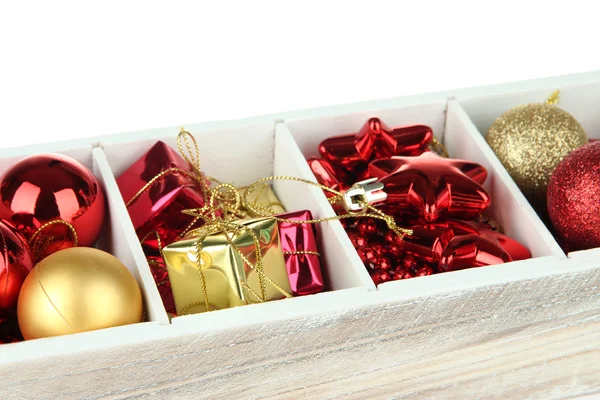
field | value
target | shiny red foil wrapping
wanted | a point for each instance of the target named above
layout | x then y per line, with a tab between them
156	213
304	270
158	209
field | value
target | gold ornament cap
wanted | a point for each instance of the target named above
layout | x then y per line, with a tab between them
530	140
75	290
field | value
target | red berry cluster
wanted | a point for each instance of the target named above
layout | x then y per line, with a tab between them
378	248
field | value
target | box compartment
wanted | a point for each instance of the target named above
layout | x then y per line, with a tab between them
453	128
241	156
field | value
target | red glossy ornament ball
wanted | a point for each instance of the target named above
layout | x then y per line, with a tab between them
574	198
15	264
47	187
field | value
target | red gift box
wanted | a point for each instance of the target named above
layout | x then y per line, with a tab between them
158	208
299	245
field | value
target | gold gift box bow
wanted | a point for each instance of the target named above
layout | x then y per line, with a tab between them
223	277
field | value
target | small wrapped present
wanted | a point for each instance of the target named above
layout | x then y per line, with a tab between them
302	261
157	187
209	270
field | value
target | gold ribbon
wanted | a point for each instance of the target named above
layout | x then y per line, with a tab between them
439	147
39	243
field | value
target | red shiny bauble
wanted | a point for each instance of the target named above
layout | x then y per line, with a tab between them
574	198
47	187
430	187
15	264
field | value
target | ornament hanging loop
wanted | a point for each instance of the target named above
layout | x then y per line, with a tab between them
554	98
362	194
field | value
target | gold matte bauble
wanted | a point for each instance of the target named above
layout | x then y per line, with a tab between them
75	290
530	140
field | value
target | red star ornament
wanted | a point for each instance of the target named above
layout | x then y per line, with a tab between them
330	176
430	187
345	158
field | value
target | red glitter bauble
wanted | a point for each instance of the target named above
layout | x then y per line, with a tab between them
15	264
574	198
47	187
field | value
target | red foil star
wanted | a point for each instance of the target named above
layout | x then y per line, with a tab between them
345	159
430	187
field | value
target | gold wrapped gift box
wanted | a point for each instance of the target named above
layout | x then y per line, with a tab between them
222	278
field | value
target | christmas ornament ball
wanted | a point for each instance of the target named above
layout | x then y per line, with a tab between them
75	290
530	140
574	198
15	264
46	187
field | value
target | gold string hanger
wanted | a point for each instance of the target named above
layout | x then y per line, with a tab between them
554	98
39	243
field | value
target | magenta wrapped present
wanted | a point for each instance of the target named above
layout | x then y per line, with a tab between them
302	262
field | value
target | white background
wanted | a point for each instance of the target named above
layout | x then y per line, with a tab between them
75	69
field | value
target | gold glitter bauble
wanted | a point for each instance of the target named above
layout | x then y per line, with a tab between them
75	290
530	140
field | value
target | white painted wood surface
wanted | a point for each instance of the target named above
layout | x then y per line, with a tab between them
529	329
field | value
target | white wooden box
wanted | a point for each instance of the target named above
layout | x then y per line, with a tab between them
524	329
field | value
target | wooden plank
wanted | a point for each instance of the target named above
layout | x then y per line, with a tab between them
533	338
